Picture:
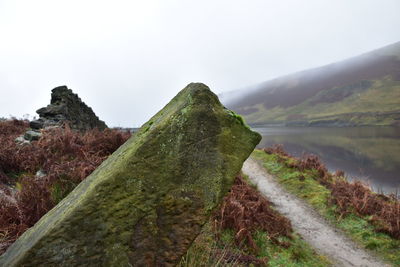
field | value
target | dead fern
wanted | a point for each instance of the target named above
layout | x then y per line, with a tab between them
245	211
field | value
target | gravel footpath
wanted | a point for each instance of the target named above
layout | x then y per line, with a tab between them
325	238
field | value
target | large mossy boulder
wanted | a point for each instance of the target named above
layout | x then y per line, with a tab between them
149	200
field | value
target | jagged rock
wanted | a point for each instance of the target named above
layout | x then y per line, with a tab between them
36	124
148	201
65	106
32	135
21	140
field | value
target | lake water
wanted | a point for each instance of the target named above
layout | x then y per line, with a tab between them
371	154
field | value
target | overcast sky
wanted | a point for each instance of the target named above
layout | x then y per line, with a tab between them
127	59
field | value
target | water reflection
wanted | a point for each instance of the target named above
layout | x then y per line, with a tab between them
371	154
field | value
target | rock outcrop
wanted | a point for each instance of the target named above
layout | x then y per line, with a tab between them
149	200
65	106
32	135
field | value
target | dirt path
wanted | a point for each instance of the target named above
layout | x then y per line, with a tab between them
325	238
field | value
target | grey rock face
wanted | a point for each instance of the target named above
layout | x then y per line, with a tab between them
21	140
65	106
36	124
32	135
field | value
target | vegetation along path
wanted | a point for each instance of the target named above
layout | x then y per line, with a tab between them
325	238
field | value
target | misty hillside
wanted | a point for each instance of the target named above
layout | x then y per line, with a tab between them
364	90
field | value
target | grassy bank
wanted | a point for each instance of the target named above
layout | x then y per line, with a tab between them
368	218
247	231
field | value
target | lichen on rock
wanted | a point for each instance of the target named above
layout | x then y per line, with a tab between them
148	201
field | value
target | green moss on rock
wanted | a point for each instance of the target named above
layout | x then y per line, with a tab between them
148	201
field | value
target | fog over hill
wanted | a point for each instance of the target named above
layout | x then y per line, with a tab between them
363	90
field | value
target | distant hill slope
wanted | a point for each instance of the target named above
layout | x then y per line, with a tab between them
364	90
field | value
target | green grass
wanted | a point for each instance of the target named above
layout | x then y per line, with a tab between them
359	229
201	251
61	189
298	254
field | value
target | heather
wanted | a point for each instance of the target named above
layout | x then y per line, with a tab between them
35	177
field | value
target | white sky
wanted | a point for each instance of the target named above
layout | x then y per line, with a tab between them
126	59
